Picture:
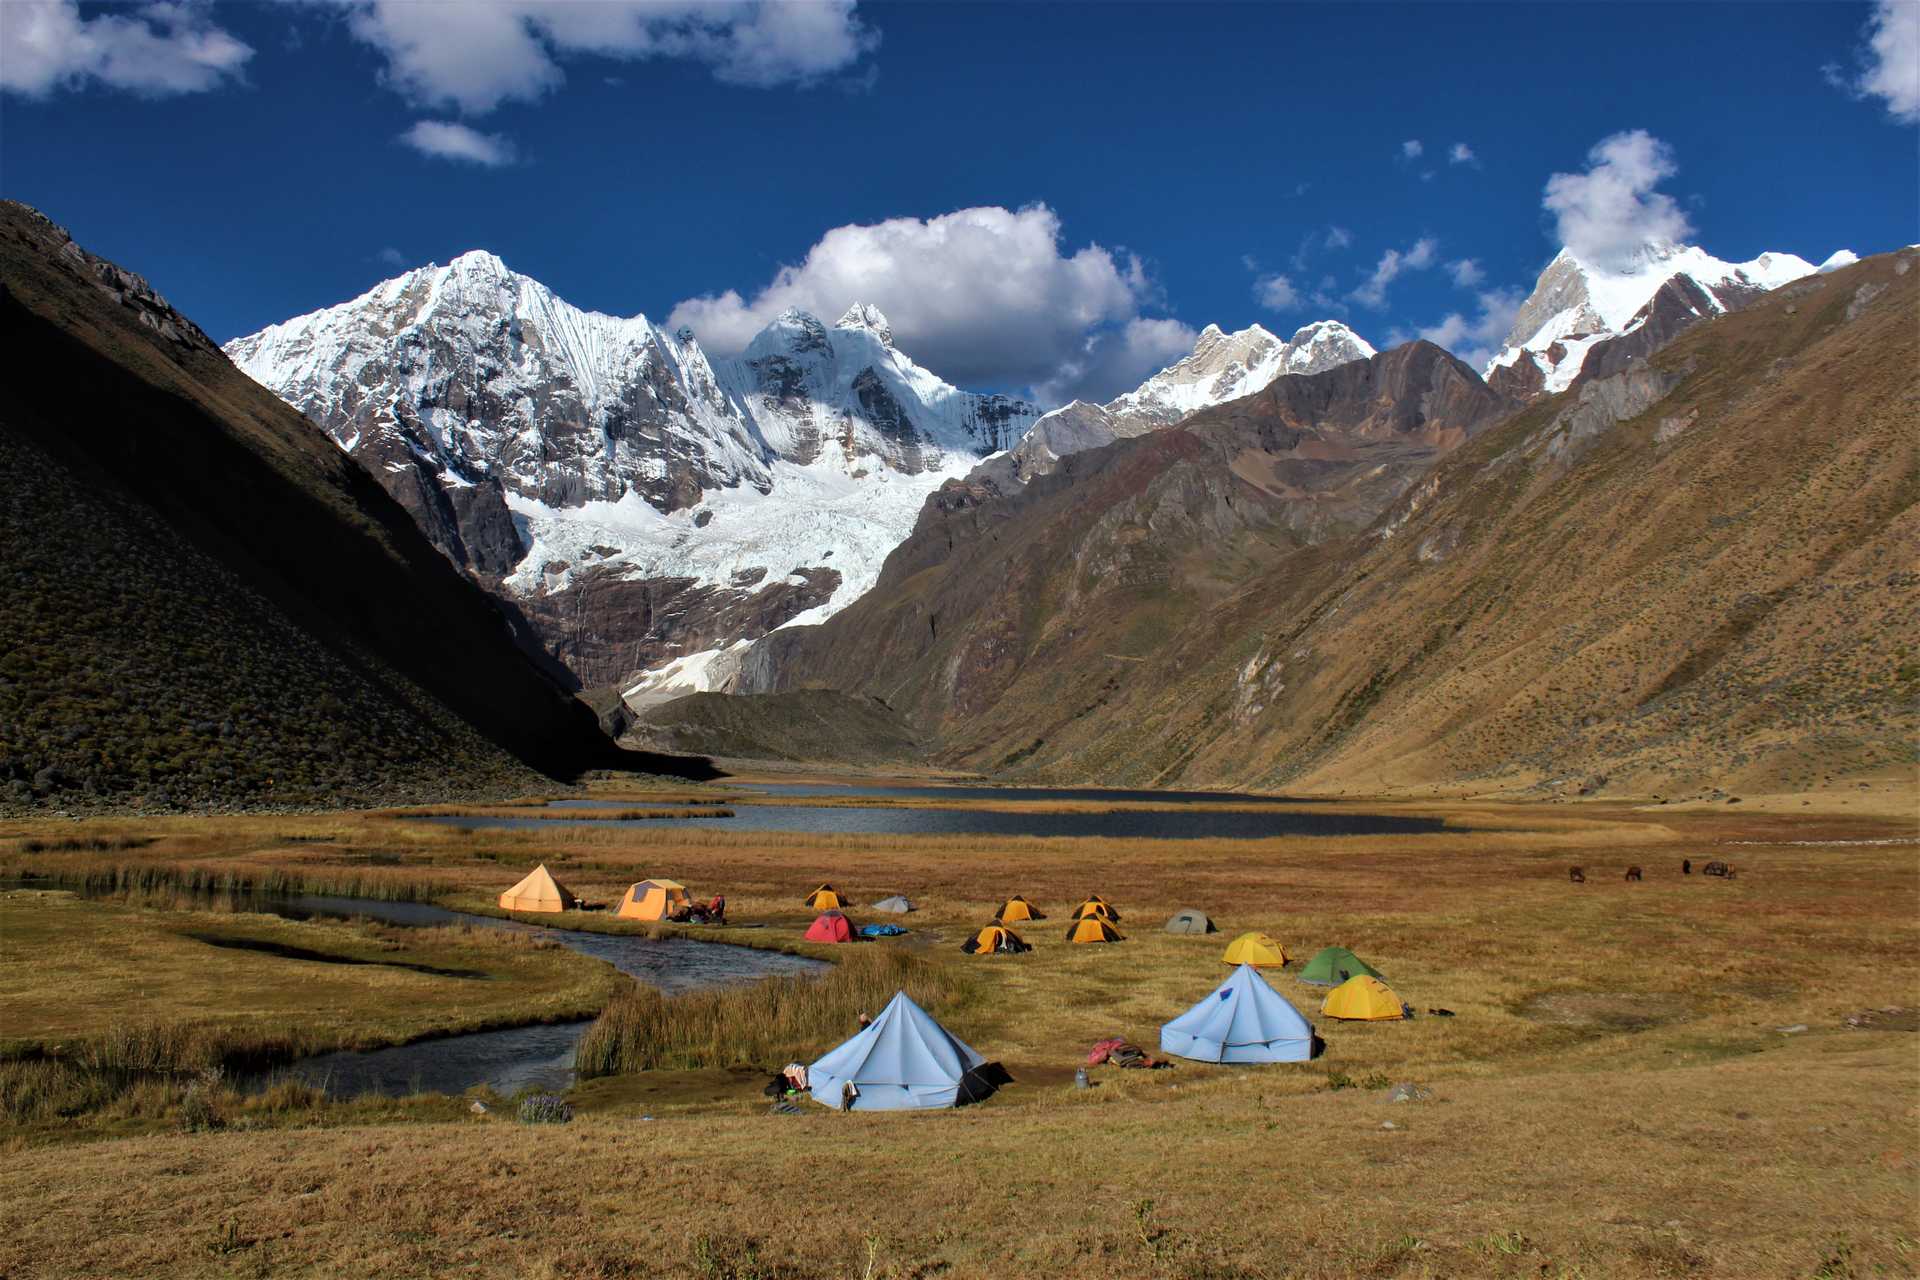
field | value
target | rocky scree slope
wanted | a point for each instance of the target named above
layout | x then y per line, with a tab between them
1692	574
208	603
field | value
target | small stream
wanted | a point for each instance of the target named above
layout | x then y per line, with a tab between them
515	1058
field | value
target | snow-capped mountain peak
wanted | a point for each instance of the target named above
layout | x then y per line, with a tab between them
1577	304
1222	366
864	315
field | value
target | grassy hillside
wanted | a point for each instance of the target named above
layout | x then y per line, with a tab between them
1686	576
208	603
805	725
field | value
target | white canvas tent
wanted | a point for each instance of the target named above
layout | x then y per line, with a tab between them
902	1060
1244	1020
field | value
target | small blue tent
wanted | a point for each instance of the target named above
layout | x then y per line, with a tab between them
1244	1021
902	1059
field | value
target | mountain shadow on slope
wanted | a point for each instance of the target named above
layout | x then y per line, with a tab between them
209	604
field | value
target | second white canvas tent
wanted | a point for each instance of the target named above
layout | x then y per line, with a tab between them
902	1060
1244	1020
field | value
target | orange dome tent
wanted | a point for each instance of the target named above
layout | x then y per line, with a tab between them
1017	909
825	898
538	892
652	900
995	938
1096	906
1094	929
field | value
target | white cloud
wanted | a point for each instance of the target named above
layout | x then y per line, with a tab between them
1276	293
1393	263
1113	361
1338	237
1476	339
446	140
156	49
1611	210
1460	153
391	257
1466	272
475	56
1411	149
984	297
1892	59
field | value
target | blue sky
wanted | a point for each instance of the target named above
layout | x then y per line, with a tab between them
1137	170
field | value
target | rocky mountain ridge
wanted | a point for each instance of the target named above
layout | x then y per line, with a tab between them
1691	572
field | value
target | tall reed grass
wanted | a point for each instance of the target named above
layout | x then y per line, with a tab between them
768	1023
135	879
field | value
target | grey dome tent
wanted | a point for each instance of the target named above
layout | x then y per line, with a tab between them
902	1060
1190	921
1244	1020
897	904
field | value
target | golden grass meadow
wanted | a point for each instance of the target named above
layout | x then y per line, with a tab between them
1621	1090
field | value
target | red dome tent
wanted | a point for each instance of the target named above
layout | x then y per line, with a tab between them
832	926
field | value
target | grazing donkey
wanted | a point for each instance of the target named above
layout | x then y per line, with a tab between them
1576	875
1633	873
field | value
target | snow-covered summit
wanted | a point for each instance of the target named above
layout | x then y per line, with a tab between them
864	315
801	383
1222	366
1577	303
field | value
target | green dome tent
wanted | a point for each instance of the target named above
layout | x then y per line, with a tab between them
1333	966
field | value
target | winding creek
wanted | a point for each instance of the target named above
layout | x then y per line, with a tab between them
515	1058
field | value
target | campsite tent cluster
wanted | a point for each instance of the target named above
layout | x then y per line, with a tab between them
904	1058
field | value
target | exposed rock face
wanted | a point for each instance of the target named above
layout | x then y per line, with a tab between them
605	626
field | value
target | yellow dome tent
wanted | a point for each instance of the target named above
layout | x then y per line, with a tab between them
1362	998
1256	949
1017	909
538	892
1096	906
652	900
825	898
1094	928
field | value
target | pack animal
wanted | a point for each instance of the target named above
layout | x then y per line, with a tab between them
1577	875
1717	868
1633	873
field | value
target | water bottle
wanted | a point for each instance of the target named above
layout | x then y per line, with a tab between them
1080	1078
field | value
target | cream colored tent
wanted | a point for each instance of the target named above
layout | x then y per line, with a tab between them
538	892
652	900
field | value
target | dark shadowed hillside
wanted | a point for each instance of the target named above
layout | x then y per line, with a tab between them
206	601
1693	570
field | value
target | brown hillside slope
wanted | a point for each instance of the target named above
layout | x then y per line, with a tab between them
207	602
1709	591
1011	603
